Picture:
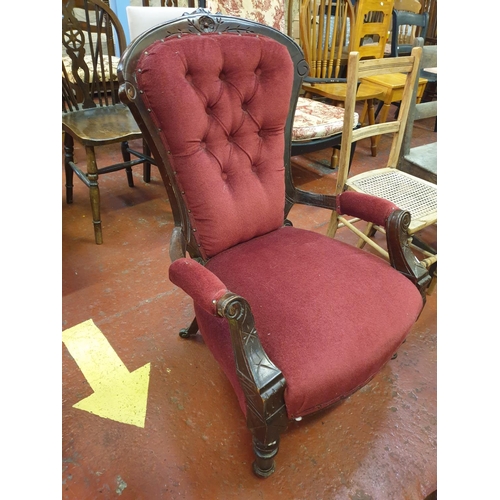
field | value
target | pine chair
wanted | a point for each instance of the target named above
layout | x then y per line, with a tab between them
92	41
408	192
215	96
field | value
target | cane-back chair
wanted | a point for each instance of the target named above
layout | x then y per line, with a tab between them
92	114
416	195
215	96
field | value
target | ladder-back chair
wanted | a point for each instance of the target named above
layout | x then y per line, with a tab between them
406	191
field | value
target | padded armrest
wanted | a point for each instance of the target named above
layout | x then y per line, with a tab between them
198	282
366	207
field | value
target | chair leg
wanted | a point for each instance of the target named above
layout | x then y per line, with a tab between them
95	202
126	157
266	427
190	331
383	118
333	225
370	232
146	172
334	160
263	464
371	121
68	159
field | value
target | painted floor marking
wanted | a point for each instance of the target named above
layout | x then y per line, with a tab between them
119	395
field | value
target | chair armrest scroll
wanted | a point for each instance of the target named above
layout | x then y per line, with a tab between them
262	382
396	222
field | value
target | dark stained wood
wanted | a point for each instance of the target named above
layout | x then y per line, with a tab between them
92	41
263	389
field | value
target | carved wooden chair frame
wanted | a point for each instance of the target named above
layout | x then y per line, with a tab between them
263	389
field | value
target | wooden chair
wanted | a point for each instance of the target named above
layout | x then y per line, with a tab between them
345	30
406	191
92	41
262	289
420	161
406	27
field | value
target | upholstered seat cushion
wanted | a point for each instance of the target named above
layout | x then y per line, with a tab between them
88	61
316	120
328	314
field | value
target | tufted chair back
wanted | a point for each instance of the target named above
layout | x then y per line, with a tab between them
222	119
216	96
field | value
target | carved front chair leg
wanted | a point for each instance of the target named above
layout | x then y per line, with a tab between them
262	382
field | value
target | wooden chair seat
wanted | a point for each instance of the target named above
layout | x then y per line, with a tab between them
406	191
416	195
102	125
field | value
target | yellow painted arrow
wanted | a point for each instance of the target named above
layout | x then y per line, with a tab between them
118	394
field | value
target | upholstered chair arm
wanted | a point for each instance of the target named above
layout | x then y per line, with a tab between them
198	282
366	207
262	382
396	222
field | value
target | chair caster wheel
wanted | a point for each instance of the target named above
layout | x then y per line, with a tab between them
184	333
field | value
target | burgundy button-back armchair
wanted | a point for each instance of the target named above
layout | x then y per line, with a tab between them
296	320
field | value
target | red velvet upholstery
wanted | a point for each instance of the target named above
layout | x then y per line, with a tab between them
202	285
230	102
366	207
328	314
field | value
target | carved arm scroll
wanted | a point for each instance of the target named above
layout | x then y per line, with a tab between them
396	222
262	382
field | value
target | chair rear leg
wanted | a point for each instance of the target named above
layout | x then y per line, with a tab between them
126	157
146	172
95	202
190	331
68	159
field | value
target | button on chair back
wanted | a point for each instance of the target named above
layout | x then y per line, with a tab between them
216	96
92	114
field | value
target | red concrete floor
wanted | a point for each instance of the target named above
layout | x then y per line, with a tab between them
379	444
